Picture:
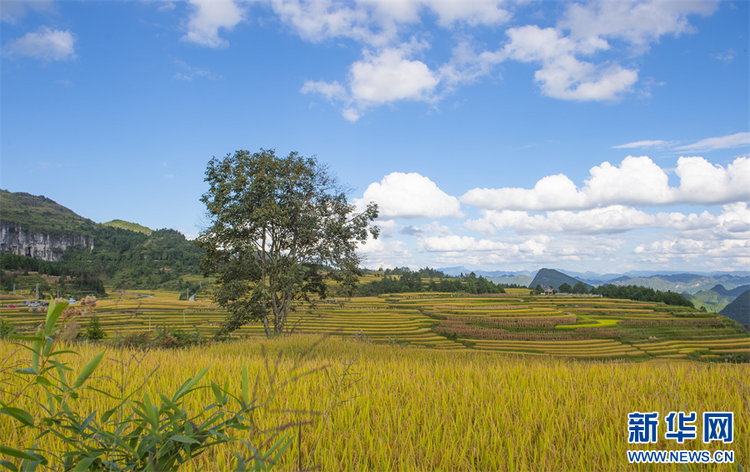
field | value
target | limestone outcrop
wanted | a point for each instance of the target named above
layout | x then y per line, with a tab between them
49	247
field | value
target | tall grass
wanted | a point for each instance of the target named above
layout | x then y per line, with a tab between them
399	408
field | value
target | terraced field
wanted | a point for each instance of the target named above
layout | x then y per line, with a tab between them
516	322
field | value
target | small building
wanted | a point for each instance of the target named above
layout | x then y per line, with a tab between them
549	290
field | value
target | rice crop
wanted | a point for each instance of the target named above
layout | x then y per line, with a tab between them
409	409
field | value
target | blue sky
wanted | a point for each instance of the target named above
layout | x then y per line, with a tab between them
498	135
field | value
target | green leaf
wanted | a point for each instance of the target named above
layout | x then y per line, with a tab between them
190	383
48	346
53	313
149	409
27	338
27	371
88	370
22	416
9	465
217	393
184	439
84	464
241	464
43	381
9	451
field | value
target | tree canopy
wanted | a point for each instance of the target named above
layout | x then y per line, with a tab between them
279	227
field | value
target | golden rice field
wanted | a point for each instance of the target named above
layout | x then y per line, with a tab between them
516	322
405	408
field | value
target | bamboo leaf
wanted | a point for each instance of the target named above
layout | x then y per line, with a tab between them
22	416
84	464
53	313
9	451
88	370
9	465
190	383
184	439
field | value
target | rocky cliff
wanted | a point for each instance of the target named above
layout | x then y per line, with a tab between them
50	247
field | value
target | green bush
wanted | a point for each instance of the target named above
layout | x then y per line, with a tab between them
94	330
7	329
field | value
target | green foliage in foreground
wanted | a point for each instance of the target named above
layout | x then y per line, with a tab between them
137	434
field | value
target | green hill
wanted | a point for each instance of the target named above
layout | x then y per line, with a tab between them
39	214
712	300
122	224
553	278
124	254
739	309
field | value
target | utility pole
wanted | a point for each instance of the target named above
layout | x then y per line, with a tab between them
37	291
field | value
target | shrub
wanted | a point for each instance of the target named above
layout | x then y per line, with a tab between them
94	330
7	329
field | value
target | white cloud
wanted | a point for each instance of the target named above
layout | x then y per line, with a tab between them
380	78
207	17
637	181
636	21
384	252
317	20
11	10
46	44
722	142
607	220
562	75
727	56
643	144
390	76
729	252
331	90
411	195
459	243
703	182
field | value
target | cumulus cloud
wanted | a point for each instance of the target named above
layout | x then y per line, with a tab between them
636	21
637	181
459	243
380	78
608	220
412	195
207	17
562	74
46	44
722	142
389	76
15	9
643	144
729	252
384	252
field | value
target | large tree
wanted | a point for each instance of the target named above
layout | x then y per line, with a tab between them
279	227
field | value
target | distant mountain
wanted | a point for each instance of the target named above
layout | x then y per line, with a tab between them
523	280
739	309
128	226
716	298
734	293
458	270
552	278
684	283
